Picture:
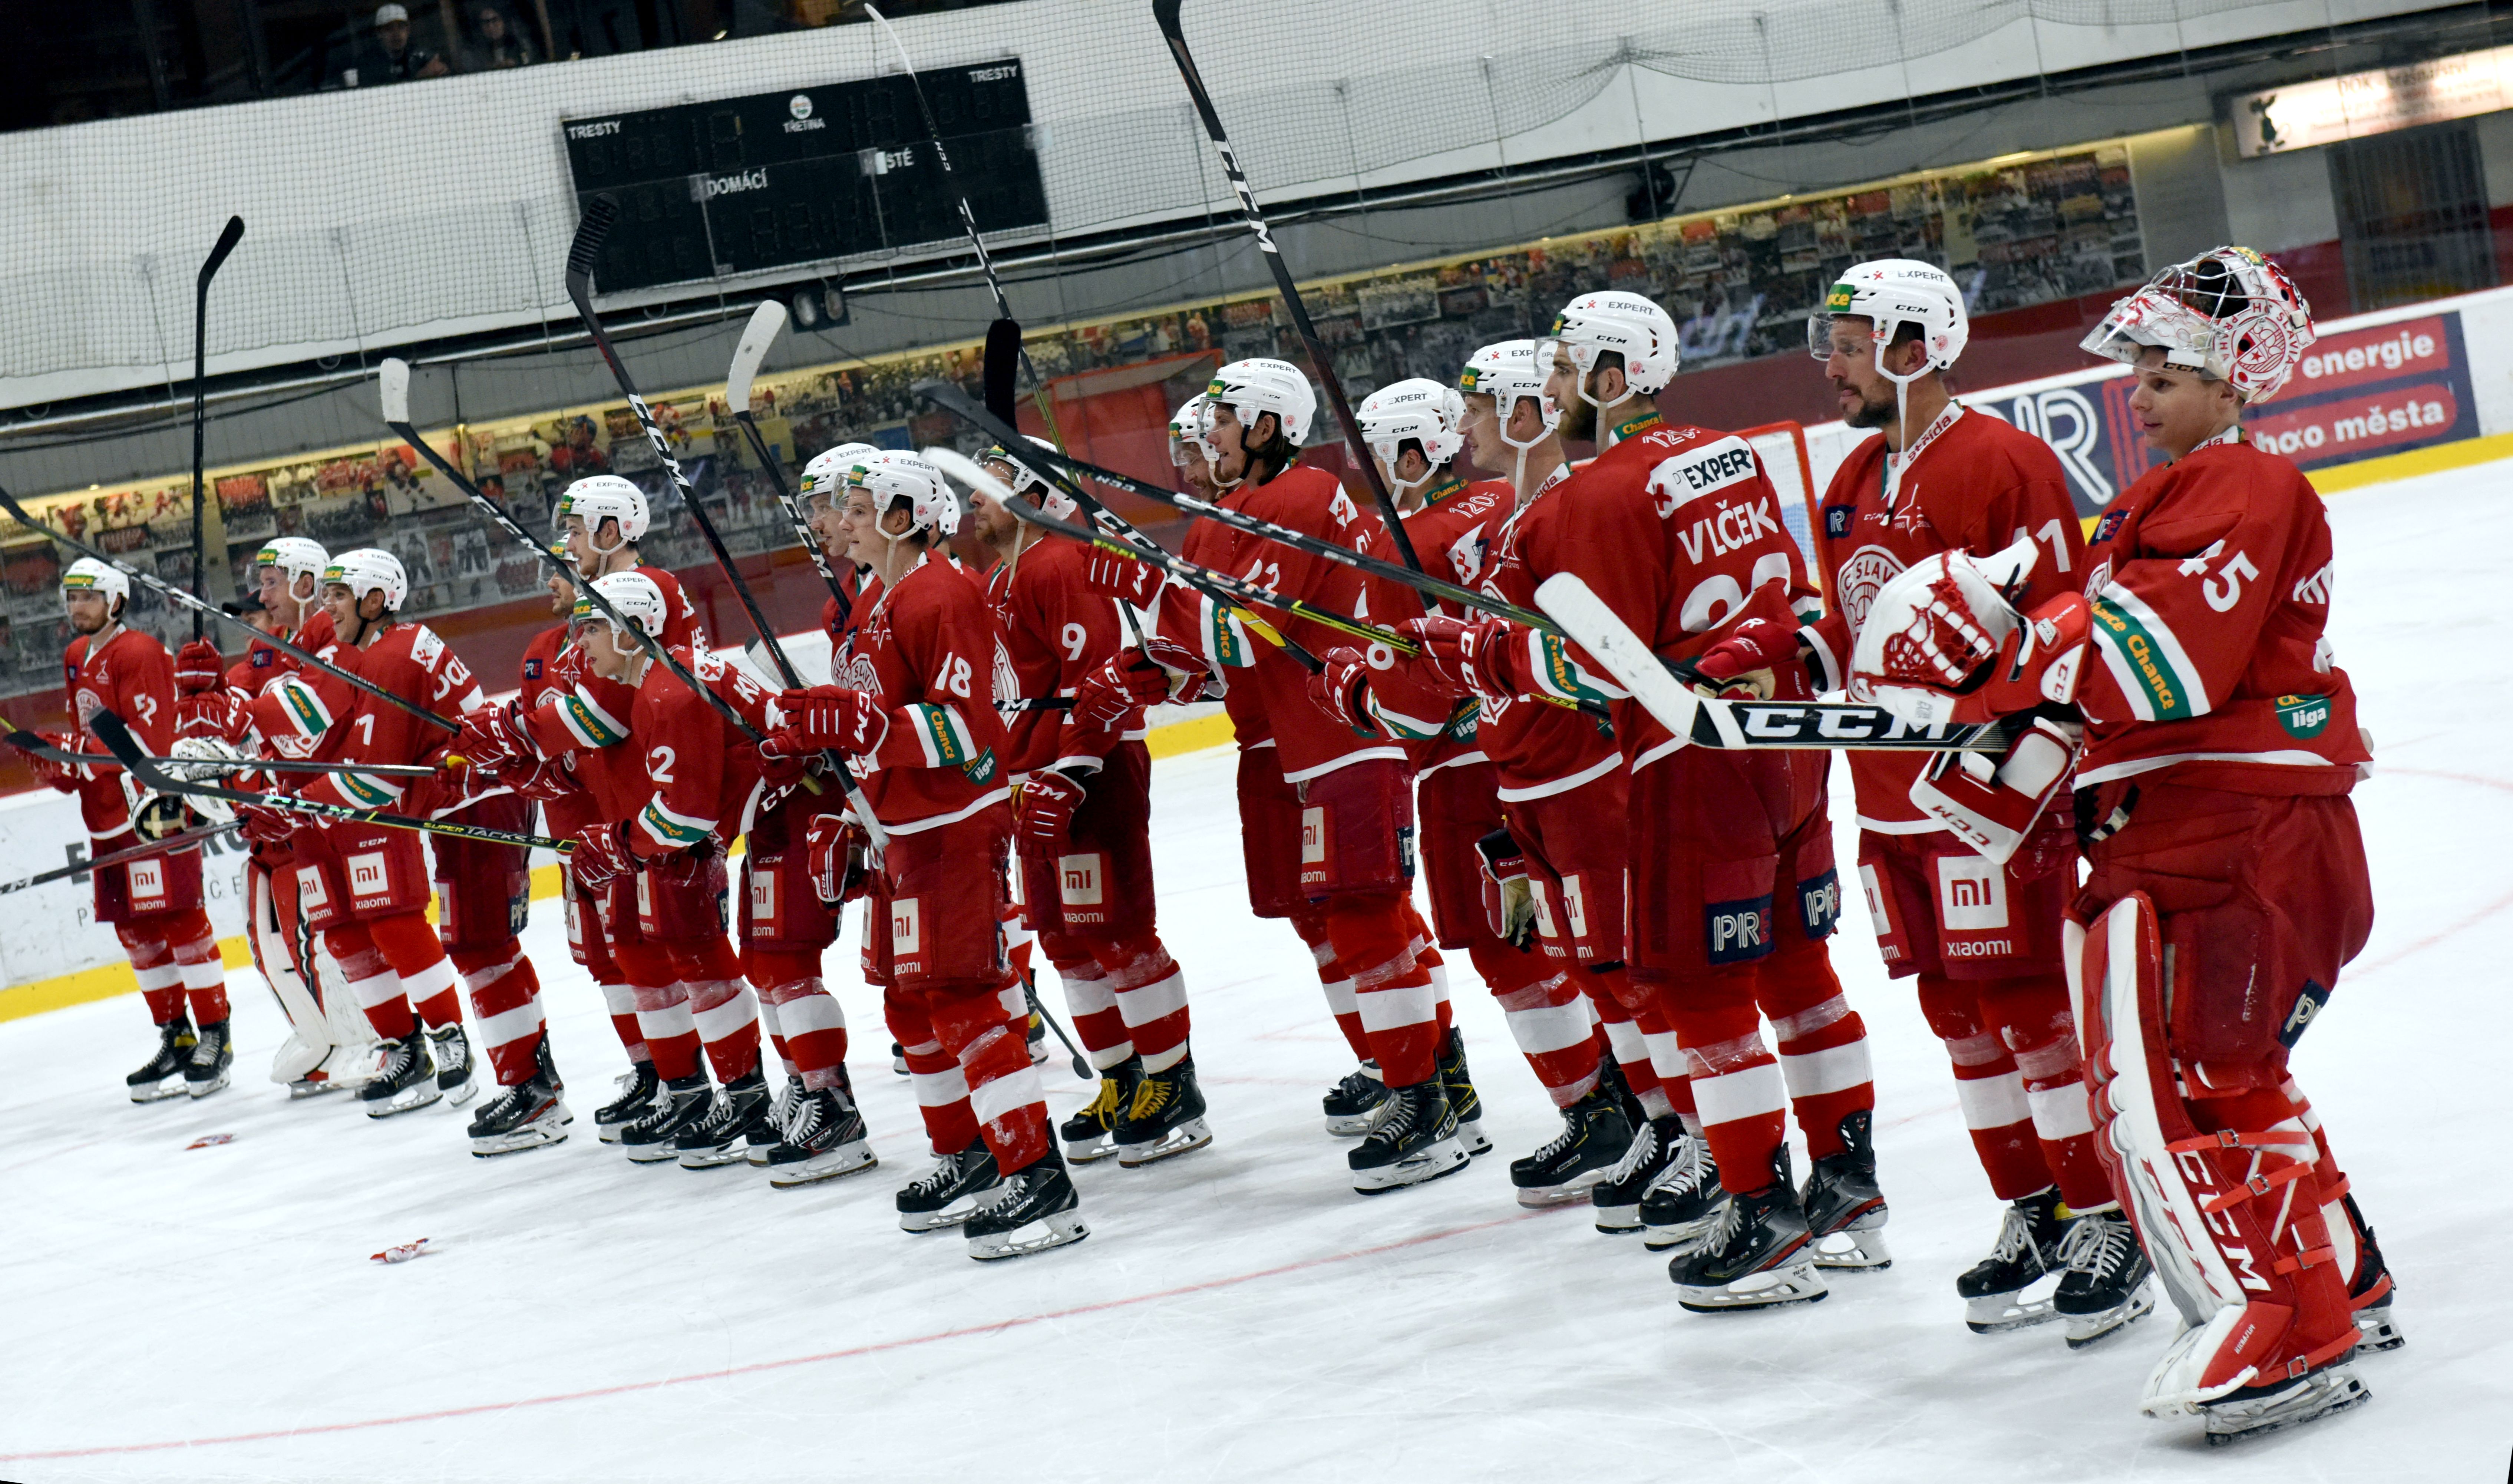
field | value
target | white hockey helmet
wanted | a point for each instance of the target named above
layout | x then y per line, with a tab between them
1252	388
294	556
634	596
2229	314
1025	480
1187	430
892	476
370	569
825	476
1888	294
1508	372
598	498
88	574
1417	408
1627	324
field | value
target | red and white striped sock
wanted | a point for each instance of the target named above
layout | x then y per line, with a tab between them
372	985
1739	1089
1548	1020
505	999
1090	998
1988	1089
205	977
1334	978
992	1048
1822	1044
814	1029
2039	1029
1391	989
1152	996
161	979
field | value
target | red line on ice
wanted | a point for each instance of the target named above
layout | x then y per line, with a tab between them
853	1352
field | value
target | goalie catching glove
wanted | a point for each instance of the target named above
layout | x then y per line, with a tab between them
1943	643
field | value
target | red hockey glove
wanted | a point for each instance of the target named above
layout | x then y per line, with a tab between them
1127	579
1146	675
1487	656
264	825
1341	687
1047	804
835	857
827	717
601	856
58	775
1741	663
1509	904
198	667
548	780
222	713
495	736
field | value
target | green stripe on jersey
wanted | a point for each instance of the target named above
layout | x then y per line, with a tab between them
2166	691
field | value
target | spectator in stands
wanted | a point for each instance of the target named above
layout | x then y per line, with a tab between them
393	58
580	455
496	45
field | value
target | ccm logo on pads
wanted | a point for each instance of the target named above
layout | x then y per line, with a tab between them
1972	894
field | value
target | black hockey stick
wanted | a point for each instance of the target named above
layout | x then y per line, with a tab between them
599	215
1082	1067
202	608
1166	12
228	236
756	337
182	840
34	745
109	730
393	383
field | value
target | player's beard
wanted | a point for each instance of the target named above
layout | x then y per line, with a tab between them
1578	421
80	625
1874	412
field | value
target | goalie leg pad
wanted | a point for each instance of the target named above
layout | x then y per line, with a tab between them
2227	1215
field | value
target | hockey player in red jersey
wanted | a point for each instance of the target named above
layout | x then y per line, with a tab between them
153	904
1474	871
1730	889
2227	883
1981	938
1189	454
365	888
1082	836
915	711
1325	814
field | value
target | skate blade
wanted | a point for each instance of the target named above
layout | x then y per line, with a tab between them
2379	1333
711	1159
1092	1150
462	1092
1352	1125
650	1153
1569	1192
846	1159
204	1089
1470	1133
1060	1230
608	1133
532	1136
1619	1220
2086	1330
2312	1399
1774	1287
1185	1139
1682	1238
1444	1158
1999	1313
956	1214
1853	1251
298	1092
158	1092
395	1105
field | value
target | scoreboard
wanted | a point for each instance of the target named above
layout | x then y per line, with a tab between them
782	178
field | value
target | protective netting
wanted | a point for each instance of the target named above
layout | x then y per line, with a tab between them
383	215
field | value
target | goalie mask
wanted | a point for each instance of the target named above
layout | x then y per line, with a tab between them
1419	411
1025	480
2230	315
894	478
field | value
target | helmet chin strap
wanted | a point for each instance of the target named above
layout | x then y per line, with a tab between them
1518	474
1901	408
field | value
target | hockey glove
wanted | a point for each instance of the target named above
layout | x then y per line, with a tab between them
826	718
1047	804
218	712
601	856
1742	665
1128	580
1943	643
548	780
1994	804
1341	687
495	736
1157	671
834	853
1509	904
199	667
58	775
1485	657
264	825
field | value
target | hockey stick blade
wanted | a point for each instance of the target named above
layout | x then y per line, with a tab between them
228	236
756	337
1002	366
1717	722
591	230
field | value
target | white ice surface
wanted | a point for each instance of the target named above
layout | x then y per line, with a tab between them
1239	1314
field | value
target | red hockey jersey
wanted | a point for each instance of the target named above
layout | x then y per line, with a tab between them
1539	747
1056	631
928	648
131	675
700	771
265	662
410	660
1451	532
2209	580
1977	485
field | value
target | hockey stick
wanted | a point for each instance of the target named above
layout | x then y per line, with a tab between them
117	738
599	216
34	745
202	608
756	337
392	383
179	841
1716	722
1166	12
228	236
1082	1067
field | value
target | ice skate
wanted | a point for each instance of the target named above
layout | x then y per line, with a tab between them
1164	1120
638	1091
1091	1133
406	1082
528	1115
454	1065
166	1073
1414	1141
2371	1294
1683	1200
781	1113
1037	1039
2264	1408
205	1071
1845	1212
1994	1289
825	1138
655	1138
899	1058
1617	1197
738	1114
1758	1255
1596	1135
2105	1288
1355	1101
955	1189
1464	1101
1036	1208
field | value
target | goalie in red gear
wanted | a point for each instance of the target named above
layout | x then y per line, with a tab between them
1082	830
2227	884
914	709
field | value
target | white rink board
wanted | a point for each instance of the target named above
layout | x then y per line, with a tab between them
1238	1315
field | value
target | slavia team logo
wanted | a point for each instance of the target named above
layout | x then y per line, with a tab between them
1867	571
